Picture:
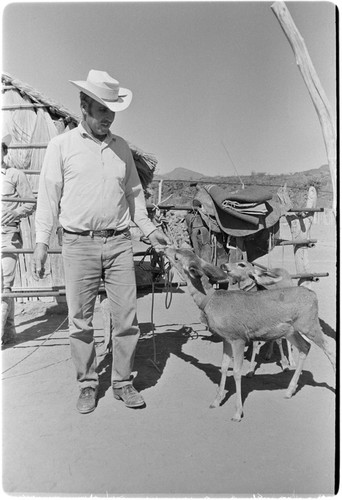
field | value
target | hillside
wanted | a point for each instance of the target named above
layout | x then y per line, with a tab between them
181	174
178	185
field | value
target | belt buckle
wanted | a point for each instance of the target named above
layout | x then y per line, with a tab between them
106	233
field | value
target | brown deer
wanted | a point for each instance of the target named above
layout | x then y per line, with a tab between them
239	317
252	277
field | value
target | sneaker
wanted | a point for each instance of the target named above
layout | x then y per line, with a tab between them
87	400
129	395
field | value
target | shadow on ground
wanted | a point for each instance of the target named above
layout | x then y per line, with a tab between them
330	332
153	354
44	320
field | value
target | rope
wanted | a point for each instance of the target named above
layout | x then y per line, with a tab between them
37	370
190	332
156	261
168	286
237	173
269	249
154	361
36	349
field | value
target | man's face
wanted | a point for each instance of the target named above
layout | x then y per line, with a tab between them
99	118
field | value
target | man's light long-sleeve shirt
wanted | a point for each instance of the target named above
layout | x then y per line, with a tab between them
89	185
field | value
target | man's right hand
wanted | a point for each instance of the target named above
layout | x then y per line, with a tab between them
38	260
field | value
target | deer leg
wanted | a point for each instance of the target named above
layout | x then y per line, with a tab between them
292	361
269	352
311	328
321	340
226	359
256	349
303	347
283	360
238	350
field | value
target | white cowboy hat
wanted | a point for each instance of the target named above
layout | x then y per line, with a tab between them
105	89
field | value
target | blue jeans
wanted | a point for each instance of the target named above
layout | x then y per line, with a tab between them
86	261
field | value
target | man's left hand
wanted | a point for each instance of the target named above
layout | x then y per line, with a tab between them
158	240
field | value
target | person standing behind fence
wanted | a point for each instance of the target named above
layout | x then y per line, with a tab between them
90	180
14	185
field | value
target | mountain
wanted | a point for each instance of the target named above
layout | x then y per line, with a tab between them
179	173
184	174
180	191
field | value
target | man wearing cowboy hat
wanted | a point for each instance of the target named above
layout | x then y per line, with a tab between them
14	185
89	180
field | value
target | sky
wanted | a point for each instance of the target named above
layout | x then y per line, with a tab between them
216	88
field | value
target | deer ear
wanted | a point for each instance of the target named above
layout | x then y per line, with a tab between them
263	277
195	271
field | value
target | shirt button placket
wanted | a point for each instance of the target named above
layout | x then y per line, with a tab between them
103	183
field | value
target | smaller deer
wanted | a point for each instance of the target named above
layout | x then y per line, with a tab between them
239	317
252	277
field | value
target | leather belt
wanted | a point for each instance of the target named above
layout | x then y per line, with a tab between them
105	233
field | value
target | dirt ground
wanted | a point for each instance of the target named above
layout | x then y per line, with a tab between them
177	445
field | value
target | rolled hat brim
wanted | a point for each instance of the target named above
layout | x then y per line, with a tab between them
123	101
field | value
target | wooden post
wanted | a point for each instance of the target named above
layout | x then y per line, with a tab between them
160	191
314	86
300	229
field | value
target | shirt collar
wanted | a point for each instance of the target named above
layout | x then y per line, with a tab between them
84	133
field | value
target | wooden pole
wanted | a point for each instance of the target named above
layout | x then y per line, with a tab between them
162	206
160	191
300	229
23	106
314	86
28	146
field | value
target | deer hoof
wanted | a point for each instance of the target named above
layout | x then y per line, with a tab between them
215	404
237	418
250	374
290	392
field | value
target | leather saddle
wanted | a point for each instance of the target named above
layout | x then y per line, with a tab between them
251	215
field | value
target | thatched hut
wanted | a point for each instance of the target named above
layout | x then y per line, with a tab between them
33	119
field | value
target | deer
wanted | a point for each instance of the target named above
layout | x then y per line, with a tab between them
239	317
252	277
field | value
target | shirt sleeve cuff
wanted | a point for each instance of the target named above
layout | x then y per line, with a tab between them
148	228
42	238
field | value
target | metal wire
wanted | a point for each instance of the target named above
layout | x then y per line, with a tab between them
36	349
